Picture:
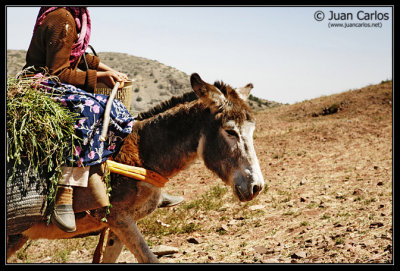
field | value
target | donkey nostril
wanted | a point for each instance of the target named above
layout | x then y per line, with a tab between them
256	189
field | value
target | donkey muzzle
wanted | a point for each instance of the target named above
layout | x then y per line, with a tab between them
247	184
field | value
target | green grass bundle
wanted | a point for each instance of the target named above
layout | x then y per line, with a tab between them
39	130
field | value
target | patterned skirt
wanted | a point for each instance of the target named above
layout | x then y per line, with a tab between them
90	107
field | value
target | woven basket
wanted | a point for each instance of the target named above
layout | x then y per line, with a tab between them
26	202
124	94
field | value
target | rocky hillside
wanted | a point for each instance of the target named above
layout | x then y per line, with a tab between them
154	81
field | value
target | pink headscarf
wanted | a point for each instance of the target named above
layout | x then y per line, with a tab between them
83	26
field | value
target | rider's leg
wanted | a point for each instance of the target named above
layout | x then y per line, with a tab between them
63	214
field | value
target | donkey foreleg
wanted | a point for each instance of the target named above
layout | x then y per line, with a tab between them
126	230
113	248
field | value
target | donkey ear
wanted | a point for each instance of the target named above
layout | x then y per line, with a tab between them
206	92
198	85
244	92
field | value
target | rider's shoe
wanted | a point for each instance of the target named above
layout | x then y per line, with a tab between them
63	214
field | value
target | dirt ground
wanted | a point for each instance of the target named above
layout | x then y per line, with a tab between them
327	197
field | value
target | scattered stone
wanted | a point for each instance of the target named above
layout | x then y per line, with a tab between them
389	248
232	222
298	255
337	225
269	259
349	229
380	183
162	223
308	245
164	250
260	249
193	240
223	229
339	195
303	181
302	199
376	225
256	207
357	192
202	253
369	243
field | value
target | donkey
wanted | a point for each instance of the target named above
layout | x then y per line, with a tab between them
213	123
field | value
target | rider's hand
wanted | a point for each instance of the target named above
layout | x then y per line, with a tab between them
122	75
109	78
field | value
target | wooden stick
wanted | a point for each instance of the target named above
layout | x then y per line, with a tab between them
103	135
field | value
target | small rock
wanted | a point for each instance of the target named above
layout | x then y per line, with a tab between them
162	223
369	243
339	195
349	229
357	192
269	259
302	200
303	181
379	183
202	253
193	240
232	222
389	248
223	229
164	250
298	255
256	207
260	249
376	225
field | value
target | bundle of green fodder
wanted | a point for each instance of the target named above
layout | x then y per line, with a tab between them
40	131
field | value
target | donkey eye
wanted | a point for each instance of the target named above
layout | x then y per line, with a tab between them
232	133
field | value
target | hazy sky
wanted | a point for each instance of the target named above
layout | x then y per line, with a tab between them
286	53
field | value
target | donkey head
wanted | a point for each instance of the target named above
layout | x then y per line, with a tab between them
226	143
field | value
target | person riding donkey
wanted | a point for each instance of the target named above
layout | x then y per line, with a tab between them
59	41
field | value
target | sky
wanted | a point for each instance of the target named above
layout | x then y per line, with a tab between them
289	54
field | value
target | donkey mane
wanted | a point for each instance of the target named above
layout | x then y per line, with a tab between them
241	112
224	88
165	105
176	100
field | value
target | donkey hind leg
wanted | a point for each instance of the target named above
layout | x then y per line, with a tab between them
126	230
113	248
15	242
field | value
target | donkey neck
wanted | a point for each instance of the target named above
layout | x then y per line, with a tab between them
167	142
